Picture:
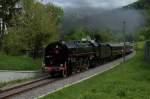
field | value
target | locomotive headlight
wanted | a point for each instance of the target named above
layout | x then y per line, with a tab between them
47	56
61	65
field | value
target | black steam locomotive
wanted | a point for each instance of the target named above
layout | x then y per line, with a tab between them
70	57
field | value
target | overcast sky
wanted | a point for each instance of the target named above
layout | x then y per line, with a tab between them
105	4
94	14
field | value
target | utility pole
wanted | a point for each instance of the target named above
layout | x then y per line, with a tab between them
124	40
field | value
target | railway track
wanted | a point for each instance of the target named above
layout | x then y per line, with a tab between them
25	87
28	86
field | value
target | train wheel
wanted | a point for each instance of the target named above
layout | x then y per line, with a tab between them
70	68
87	64
42	70
53	75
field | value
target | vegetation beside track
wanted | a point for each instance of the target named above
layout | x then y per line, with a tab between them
8	62
4	85
129	80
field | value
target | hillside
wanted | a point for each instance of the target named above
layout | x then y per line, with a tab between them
96	18
141	4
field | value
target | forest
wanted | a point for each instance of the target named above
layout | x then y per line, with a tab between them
30	25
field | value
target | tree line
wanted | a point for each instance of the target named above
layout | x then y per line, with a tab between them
144	33
87	33
31	26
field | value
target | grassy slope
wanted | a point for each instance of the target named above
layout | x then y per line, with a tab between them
130	80
18	63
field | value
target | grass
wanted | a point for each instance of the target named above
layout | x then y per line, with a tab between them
140	45
130	80
19	63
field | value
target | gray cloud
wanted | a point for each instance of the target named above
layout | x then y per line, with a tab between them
111	20
105	4
99	14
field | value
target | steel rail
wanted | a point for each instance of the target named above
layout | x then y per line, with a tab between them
25	87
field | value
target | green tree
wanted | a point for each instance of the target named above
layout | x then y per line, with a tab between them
104	36
7	10
13	42
82	32
148	17
78	33
145	33
142	4
39	26
129	37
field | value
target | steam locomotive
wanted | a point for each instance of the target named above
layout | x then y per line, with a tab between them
70	57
